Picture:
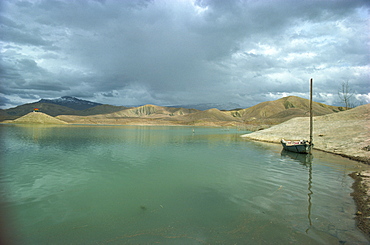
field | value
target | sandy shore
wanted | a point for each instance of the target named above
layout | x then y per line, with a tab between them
344	133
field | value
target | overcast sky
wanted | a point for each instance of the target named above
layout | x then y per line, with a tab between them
176	52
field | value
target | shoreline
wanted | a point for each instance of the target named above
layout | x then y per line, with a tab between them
361	196
361	190
346	134
363	160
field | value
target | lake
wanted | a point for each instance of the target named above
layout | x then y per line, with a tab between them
169	185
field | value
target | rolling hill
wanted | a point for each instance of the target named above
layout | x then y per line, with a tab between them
260	116
277	111
151	111
211	115
38	118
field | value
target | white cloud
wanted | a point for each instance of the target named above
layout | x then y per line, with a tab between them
363	98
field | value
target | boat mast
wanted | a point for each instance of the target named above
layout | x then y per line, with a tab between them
311	120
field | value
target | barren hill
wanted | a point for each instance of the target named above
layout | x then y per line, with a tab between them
38	118
151	114
256	117
277	111
143	112
211	115
150	111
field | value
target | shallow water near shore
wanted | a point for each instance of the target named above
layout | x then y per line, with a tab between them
169	185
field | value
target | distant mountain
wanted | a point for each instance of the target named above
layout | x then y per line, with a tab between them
71	102
54	109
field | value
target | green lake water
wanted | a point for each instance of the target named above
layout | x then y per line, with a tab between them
169	185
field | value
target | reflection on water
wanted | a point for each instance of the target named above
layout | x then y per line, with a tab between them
169	185
306	160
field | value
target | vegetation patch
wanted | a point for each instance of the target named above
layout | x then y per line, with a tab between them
288	105
366	148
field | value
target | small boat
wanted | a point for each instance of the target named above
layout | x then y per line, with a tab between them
299	146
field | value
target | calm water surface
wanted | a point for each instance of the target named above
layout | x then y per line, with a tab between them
168	185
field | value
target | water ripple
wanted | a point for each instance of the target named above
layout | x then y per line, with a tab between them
144	185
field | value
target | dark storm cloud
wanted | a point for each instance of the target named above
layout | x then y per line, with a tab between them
185	51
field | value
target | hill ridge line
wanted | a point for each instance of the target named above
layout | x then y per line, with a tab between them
256	117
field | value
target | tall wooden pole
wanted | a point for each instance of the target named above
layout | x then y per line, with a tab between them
311	119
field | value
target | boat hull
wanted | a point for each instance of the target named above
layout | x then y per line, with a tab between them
297	146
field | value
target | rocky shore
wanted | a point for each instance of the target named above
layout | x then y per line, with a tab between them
361	196
344	133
